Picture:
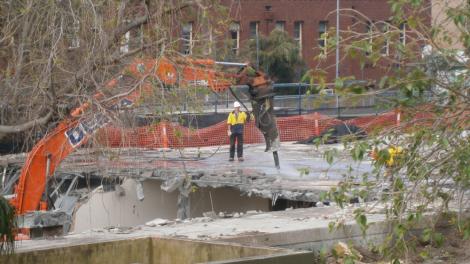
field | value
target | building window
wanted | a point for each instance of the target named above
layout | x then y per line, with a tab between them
187	38
386	44
254	29
125	42
322	34
280	25
403	33
298	27
369	30
211	41
369	36
235	37
74	35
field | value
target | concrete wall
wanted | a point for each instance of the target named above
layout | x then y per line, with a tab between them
109	209
224	200
157	250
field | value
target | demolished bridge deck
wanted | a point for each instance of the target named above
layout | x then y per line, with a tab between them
303	176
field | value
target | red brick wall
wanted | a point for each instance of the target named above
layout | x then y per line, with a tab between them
310	12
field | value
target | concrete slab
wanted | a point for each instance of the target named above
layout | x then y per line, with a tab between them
303	176
297	229
209	167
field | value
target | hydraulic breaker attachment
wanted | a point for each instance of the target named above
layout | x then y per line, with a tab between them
262	95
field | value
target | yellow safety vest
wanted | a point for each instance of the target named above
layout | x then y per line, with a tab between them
239	120
393	152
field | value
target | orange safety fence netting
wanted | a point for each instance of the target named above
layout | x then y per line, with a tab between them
293	128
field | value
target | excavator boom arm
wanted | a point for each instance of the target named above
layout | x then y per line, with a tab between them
73	132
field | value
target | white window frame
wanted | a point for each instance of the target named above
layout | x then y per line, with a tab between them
386	47
370	33
211	41
280	25
323	36
126	38
235	27
75	37
403	33
256	23
187	44
300	36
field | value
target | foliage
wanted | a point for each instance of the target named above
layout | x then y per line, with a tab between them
7	226
428	183
279	56
55	54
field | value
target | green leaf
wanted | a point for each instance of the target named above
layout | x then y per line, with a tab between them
361	220
424	254
400	230
427	234
329	156
358	151
466	233
331	226
383	81
304	171
348	260
339	83
438	239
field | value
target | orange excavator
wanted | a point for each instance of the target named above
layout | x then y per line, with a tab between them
125	91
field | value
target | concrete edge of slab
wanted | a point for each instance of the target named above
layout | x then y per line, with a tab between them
237	253
288	257
314	238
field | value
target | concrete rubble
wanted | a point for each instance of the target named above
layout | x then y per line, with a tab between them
304	175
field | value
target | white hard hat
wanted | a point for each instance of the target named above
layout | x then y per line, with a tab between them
236	104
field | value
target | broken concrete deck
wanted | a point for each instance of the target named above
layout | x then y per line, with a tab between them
303	176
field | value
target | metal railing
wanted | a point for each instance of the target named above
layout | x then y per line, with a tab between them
301	103
296	103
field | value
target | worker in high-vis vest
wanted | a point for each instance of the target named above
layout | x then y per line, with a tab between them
394	152
236	122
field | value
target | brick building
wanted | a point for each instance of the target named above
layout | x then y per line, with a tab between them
306	21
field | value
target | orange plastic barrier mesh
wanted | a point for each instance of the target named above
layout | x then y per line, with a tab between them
293	128
371	123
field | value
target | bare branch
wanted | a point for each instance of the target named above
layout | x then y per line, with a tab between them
27	125
122	29
121	10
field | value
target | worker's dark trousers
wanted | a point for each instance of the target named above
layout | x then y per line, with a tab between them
239	139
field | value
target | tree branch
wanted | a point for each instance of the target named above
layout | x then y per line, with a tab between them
117	56
27	125
122	29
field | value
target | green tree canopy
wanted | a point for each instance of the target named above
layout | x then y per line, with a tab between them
428	182
279	56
